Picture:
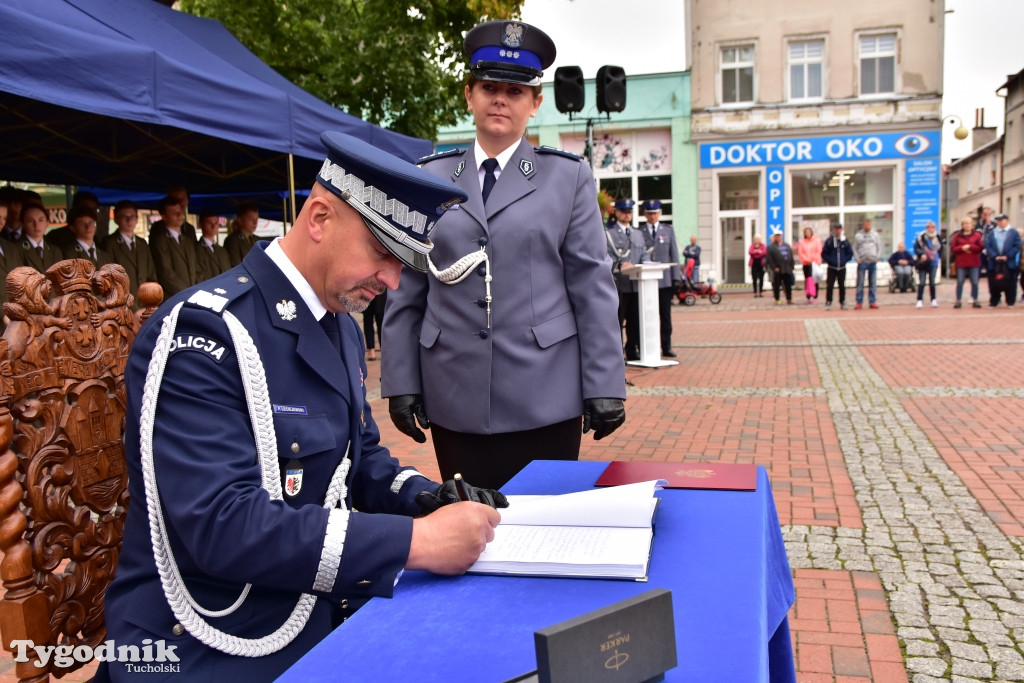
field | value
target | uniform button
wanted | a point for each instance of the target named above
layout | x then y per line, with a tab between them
243	279
481	303
483	334
482	241
295	447
178	630
344	603
481	270
365	583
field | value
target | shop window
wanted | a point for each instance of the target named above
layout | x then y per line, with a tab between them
806	62
737	74
847	195
877	64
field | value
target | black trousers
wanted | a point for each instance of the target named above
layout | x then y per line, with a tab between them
831	278
1005	285
665	295
374	313
782	280
757	274
490	460
629	315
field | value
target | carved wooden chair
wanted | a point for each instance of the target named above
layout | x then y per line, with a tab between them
63	479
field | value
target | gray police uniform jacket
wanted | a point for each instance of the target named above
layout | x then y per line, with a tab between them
663	249
554	337
622	249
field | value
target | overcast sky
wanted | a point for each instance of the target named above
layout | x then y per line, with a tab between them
983	46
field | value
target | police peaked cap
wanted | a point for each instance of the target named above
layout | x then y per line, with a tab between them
624	204
509	51
398	201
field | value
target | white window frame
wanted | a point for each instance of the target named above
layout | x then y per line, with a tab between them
894	53
722	67
805	62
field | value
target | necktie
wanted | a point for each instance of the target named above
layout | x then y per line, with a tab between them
330	324
92	254
489	177
39	250
131	246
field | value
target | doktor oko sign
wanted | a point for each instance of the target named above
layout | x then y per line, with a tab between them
843	148
919	151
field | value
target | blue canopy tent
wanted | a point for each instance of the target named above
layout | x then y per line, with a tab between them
134	95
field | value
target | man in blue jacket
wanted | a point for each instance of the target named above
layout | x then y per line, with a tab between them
835	254
263	507
1002	252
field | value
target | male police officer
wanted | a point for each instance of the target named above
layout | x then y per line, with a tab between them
626	247
262	502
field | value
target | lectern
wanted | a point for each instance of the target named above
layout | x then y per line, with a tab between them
648	275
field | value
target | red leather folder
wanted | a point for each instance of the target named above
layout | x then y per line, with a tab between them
683	475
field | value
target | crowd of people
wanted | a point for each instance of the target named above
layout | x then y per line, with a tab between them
989	246
174	256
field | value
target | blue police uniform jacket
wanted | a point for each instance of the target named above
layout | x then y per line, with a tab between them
224	530
623	248
554	339
663	249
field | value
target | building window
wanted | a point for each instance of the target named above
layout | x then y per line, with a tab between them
847	195
737	74
806	61
878	64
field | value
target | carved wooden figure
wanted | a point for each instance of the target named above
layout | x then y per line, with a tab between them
63	480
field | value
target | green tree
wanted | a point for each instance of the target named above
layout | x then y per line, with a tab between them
398	65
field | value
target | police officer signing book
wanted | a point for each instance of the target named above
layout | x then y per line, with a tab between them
509	349
263	506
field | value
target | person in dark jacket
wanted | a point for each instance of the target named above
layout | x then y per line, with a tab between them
835	254
780	264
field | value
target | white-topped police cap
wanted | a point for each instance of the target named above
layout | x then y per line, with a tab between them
399	202
509	51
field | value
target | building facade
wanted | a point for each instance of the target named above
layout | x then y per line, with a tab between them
642	152
805	113
1012	190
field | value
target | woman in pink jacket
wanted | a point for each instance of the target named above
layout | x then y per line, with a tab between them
808	250
758	250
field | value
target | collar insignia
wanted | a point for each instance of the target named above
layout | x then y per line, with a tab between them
286	309
526	167
461	167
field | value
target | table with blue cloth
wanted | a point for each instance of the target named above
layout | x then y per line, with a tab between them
721	554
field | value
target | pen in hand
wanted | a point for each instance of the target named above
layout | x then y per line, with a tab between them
460	487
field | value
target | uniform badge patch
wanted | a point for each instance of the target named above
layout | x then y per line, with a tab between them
460	168
526	166
286	309
292	478
513	36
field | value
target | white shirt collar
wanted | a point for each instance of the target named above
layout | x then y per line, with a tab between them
207	242
85	247
503	158
128	241
34	244
306	293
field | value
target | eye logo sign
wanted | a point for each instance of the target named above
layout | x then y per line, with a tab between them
912	145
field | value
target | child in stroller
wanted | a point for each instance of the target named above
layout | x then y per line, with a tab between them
690	289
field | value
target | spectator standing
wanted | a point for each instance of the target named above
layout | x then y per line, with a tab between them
928	251
128	250
174	249
836	253
64	237
758	251
966	248
780	264
1002	247
34	251
626	247
243	233
180	195
373	316
692	251
867	249
509	359
808	250
984	226
211	258
82	222
902	263
660	239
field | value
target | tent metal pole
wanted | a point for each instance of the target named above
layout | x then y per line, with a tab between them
291	184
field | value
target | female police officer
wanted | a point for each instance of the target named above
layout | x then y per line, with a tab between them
512	337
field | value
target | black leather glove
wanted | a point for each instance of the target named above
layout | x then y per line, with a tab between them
405	410
603	415
447	494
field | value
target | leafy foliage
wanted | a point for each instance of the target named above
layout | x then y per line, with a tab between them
394	64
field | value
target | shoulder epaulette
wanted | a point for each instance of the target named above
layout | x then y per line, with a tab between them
544	149
441	155
216	293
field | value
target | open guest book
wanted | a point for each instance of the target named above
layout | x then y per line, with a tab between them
599	533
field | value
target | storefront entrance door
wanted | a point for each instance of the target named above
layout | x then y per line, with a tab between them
737	235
